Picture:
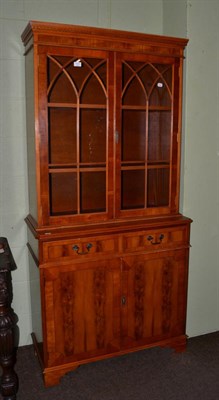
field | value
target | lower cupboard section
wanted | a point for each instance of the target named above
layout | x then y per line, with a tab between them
82	306
101	308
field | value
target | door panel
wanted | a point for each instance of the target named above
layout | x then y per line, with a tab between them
77	134
146	166
82	310
154	289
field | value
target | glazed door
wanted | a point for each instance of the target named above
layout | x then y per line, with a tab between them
81	311
147	135
75	130
154	297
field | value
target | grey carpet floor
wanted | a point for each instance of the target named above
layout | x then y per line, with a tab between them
153	374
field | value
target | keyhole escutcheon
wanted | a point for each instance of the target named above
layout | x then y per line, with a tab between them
123	300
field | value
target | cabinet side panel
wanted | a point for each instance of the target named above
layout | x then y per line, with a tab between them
30	127
35	287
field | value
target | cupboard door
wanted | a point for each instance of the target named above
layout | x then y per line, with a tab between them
76	139
82	305
147	125
154	297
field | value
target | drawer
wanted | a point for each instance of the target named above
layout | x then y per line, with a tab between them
156	239
79	248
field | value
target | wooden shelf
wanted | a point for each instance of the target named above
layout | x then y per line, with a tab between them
146	107
75	105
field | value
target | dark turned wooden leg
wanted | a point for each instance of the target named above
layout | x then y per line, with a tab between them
8	328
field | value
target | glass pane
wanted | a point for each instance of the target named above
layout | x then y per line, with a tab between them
101	72
93	92
133	135
127	73
134	93
62	91
69	77
161	87
78	71
133	189
142	81
159	136
148	75
158	187
53	68
160	95
93	136
168	77
60	85
62	135
94	86
63	193
93	191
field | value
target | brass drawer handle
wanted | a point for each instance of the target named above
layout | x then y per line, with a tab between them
82	253
151	239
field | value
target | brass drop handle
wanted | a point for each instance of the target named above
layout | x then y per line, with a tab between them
82	253
151	239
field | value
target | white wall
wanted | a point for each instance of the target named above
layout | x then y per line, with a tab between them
138	15
175	18
197	19
201	163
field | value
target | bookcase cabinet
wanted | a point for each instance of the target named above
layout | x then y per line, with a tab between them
109	246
